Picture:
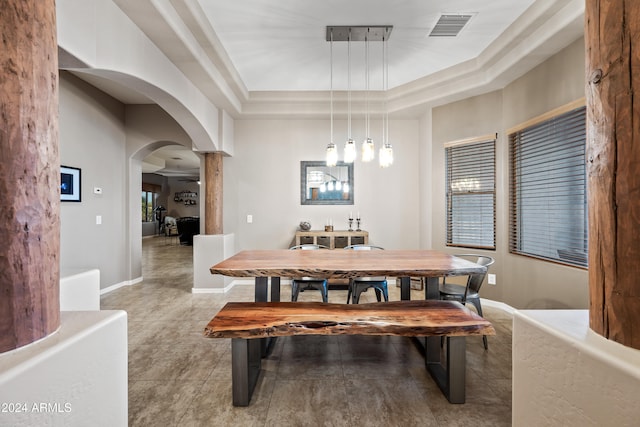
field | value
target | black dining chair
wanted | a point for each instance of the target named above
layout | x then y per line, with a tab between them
359	285
302	284
471	291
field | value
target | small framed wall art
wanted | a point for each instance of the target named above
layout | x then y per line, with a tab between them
70	184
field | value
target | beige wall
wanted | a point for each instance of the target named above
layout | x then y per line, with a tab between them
92	138
102	136
263	179
521	281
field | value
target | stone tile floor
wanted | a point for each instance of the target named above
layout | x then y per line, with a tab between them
179	378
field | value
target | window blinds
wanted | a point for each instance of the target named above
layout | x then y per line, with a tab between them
153	188
548	203
471	191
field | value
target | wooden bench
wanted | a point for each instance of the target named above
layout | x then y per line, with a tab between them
432	319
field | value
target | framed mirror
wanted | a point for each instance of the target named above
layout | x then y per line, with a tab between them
325	185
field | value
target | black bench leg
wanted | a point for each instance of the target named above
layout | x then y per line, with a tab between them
450	378
245	369
456	366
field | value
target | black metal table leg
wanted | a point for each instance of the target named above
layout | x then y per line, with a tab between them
431	288
261	295
431	291
405	288
275	289
261	290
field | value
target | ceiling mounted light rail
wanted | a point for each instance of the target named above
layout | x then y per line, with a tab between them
359	33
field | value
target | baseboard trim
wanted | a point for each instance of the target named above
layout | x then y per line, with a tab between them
235	282
499	305
212	290
120	285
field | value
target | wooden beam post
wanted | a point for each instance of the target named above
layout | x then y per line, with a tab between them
213	199
612	40
29	173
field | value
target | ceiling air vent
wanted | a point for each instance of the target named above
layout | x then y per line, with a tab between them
449	25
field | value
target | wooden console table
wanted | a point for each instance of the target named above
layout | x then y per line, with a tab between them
332	239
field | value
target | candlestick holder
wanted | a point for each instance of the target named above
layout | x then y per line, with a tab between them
350	224
358	224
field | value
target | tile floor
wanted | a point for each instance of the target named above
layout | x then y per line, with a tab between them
179	378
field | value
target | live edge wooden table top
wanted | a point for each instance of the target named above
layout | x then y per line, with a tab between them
328	264
344	264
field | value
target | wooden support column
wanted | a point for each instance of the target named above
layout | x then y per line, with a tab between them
612	39
29	173
213	199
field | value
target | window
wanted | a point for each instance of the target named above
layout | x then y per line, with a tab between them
147	206
548	206
471	192
149	196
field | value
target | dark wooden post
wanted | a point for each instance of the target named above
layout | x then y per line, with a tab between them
29	173
213	199
612	39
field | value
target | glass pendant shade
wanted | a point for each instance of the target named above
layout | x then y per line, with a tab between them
386	155
345	187
338	185
368	150
330	186
323	187
349	151
332	154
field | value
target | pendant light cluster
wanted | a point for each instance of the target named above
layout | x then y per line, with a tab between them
365	34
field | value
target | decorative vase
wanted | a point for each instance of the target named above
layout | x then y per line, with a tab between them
305	226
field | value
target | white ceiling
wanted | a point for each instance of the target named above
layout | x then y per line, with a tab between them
243	48
281	45
172	160
246	54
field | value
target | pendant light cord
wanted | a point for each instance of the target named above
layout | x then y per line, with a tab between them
385	83
331	84
366	93
349	85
